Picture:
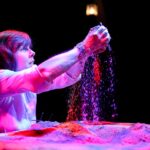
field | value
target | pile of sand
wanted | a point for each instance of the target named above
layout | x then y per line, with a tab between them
78	135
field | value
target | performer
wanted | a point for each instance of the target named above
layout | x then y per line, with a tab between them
21	80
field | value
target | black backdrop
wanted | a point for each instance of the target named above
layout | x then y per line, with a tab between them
57	26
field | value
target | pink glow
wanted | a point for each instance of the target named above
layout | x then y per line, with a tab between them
79	135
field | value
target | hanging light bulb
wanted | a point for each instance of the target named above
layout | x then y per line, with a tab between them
91	9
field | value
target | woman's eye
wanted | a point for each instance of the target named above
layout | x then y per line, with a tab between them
25	48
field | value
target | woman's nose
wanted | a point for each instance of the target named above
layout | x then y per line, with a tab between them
31	53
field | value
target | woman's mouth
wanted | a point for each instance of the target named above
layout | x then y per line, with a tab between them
31	63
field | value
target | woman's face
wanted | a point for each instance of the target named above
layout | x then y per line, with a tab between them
24	58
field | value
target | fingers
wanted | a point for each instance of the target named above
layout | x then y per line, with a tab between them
95	28
101	29
105	39
103	34
97	38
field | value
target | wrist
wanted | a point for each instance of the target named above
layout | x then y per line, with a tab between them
83	51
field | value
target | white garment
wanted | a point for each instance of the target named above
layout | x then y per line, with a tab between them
18	96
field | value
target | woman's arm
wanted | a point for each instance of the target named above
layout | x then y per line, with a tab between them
40	78
70	77
95	41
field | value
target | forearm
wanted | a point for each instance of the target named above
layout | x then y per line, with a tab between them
55	66
76	70
71	76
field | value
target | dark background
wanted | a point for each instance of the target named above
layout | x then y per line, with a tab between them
56	26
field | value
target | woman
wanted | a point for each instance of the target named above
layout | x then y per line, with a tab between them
21	80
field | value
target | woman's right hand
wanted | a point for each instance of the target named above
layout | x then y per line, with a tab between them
96	41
